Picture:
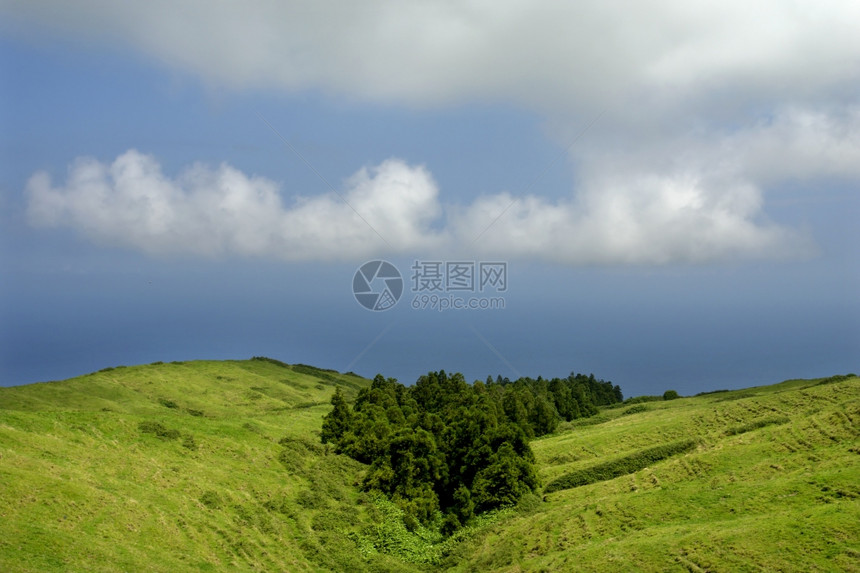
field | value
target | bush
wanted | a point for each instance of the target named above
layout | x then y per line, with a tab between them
167	403
622	466
392	536
211	499
270	361
712	392
311	499
670	395
322	373
635	409
308	368
837	378
580	422
159	430
188	442
528	504
640	399
756	424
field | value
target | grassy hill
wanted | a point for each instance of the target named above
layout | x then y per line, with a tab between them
218	466
773	483
182	466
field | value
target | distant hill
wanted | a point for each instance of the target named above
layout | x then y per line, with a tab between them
216	466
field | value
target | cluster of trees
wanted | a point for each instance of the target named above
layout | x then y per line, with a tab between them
537	406
443	446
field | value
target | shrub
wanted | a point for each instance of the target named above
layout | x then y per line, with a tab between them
167	403
322	373
837	378
159	430
528	504
271	361
622	466
580	422
211	499
308	368
670	395
188	442
635	409
311	499
299	446
736	395
640	399
756	424
328	521
711	392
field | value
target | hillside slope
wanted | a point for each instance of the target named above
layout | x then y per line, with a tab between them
218	466
773	483
183	466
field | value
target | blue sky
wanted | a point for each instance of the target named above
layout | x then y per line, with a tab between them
674	191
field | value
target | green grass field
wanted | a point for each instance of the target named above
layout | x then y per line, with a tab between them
217	466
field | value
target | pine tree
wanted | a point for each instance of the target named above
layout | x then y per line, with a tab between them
338	421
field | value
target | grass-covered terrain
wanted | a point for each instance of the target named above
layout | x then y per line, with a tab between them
219	466
772	484
168	467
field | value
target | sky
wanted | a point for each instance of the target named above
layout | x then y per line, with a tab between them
662	194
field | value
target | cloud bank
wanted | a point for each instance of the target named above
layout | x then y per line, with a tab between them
657	56
395	208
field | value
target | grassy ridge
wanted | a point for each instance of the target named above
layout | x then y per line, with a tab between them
217	466
89	483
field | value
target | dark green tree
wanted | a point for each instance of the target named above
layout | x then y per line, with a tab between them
338	421
445	446
408	472
543	417
504	480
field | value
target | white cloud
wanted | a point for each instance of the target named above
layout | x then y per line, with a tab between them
217	211
648	219
394	208
799	143
707	108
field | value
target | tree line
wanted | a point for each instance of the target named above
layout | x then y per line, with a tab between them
446	448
